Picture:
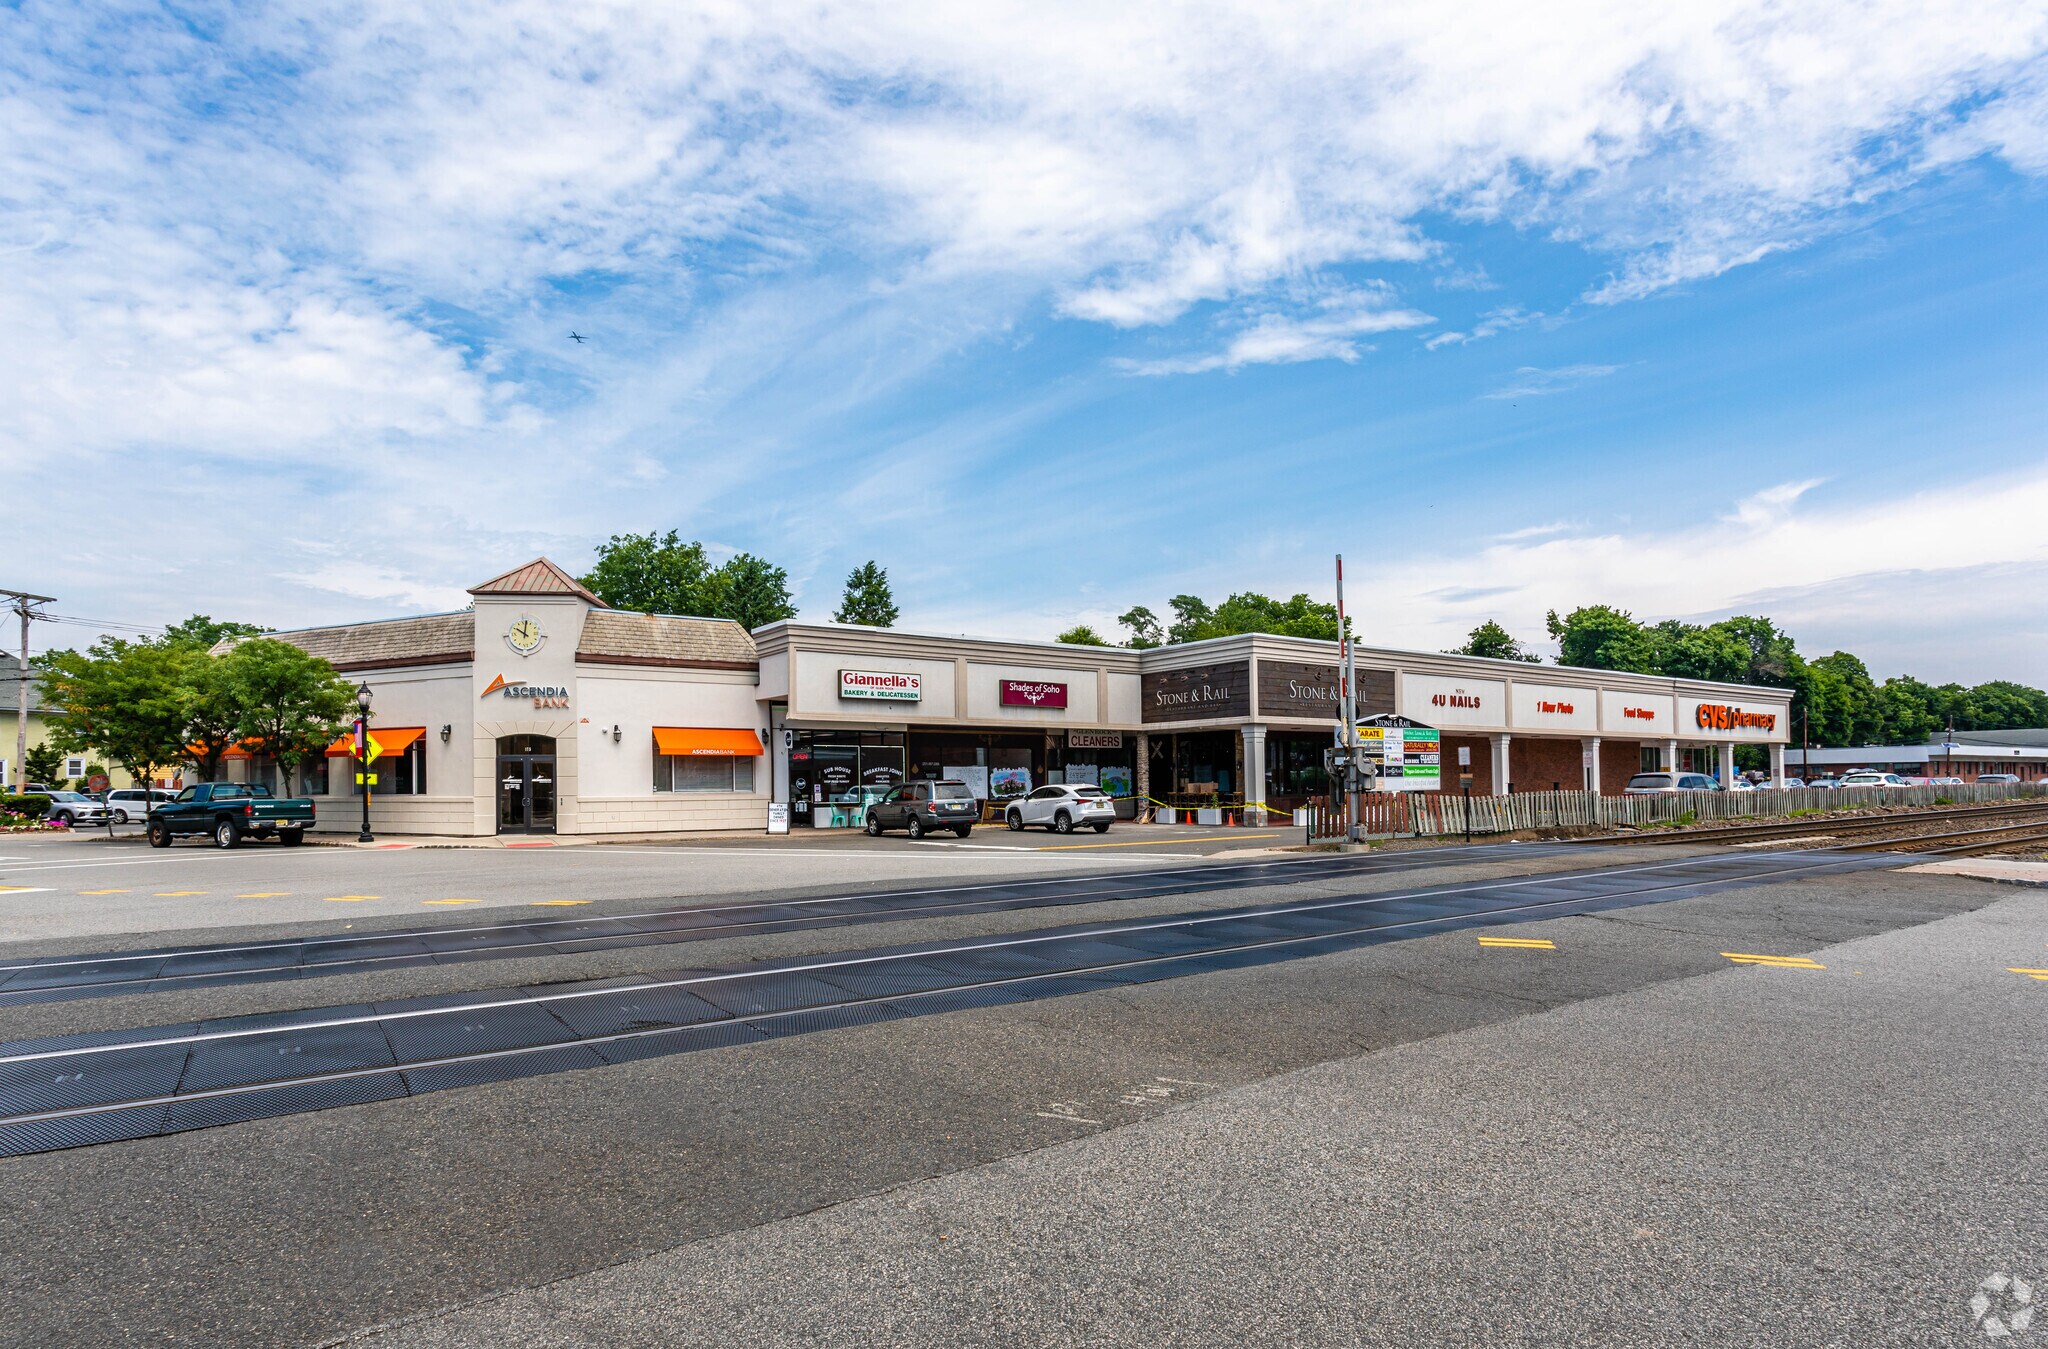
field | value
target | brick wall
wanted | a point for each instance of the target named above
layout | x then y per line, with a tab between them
1482	763
1545	765
1620	760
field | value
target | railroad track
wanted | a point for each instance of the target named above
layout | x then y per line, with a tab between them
1960	843
1829	827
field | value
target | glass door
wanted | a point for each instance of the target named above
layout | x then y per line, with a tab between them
526	785
540	796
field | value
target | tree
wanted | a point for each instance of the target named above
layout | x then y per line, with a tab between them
1143	625
867	600
1081	635
650	575
1493	642
213	716
124	699
292	702
1599	637
43	763
1856	721
203	632
2002	705
749	591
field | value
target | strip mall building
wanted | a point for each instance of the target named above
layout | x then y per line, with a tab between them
539	710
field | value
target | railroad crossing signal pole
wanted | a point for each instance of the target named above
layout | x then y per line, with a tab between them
1350	713
27	606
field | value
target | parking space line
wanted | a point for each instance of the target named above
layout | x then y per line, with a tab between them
23	889
103	892
350	899
1775	962
179	894
1520	943
558	903
2031	974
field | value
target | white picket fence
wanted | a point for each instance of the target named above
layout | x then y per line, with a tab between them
1439	815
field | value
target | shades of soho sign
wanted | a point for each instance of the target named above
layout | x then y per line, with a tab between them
898	688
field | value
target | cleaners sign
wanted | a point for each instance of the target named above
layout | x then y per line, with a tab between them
897	688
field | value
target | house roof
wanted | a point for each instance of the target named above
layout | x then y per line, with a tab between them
619	637
538	577
430	639
10	691
2030	739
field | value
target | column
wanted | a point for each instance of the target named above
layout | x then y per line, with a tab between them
1727	762
1670	756
1501	784
1143	777
1254	770
1778	767
1591	748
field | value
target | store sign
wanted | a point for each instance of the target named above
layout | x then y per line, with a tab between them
1722	717
1095	739
898	688
1402	758
1635	714
1034	693
1555	707
1316	692
543	695
1455	702
1198	694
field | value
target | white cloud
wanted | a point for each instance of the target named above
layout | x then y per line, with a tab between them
1533	382
1327	332
1491	324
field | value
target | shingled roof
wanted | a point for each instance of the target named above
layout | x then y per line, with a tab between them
615	637
430	639
538	577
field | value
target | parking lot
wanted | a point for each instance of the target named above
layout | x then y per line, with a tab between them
56	887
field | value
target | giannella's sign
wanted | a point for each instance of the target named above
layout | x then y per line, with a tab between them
543	695
1722	717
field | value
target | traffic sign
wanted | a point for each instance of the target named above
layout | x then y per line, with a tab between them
98	782
366	779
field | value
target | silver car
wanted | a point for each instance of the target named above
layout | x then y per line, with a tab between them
75	808
1064	807
1658	784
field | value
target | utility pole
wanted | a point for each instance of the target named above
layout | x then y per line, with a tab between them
28	607
1350	712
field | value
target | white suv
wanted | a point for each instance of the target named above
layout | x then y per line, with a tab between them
1870	777
1657	784
132	803
1062	808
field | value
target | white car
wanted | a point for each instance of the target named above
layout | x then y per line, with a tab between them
1063	808
1867	777
132	803
1946	782
1998	777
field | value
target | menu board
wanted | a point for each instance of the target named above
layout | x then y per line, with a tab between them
974	775
1409	758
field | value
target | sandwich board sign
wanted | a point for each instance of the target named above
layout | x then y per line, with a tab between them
1406	755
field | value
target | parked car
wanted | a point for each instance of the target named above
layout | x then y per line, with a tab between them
1998	777
1870	777
1946	782
228	812
1791	783
1063	808
74	808
922	807
1655	784
132	803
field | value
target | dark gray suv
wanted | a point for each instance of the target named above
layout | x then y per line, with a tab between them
922	807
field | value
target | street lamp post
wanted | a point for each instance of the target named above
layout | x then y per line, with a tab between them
363	756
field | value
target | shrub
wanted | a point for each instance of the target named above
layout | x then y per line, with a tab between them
34	805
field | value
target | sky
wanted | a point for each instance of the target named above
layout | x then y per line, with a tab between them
1050	309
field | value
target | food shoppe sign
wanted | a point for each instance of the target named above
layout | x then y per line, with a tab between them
881	684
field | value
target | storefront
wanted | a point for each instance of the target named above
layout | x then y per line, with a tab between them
540	711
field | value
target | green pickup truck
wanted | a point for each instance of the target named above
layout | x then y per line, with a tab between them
229	812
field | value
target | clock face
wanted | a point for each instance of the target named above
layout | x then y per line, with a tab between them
524	636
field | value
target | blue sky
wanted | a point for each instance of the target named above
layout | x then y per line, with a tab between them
1050	311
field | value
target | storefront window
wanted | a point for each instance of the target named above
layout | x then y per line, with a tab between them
703	773
397	774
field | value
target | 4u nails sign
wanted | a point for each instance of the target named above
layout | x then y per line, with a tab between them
899	688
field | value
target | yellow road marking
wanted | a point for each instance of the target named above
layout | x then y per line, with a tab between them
102	892
1776	962
2031	974
560	903
14	889
1523	943
350	899
177	894
264	894
451	901
1152	842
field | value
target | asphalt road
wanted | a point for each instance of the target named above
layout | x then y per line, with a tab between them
305	1228
1769	1156
86	885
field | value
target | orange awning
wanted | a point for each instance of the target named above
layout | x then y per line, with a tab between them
705	740
390	739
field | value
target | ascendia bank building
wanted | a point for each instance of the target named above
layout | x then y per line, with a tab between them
541	711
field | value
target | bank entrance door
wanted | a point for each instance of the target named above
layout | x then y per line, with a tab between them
526	784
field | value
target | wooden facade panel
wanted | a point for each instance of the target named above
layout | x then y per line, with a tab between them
1299	689
1198	693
